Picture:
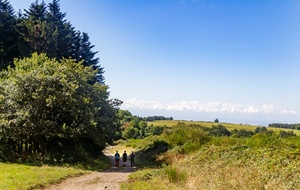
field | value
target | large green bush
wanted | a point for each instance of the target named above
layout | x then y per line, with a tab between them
53	110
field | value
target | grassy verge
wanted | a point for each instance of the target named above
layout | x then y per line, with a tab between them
18	176
21	177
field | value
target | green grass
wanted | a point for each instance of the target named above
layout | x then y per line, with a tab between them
18	176
21	176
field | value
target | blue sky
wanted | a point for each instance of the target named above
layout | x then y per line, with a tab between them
234	60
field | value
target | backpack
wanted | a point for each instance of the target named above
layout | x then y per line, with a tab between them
124	156
117	156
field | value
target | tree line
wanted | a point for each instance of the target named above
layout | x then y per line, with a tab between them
285	126
54	103
156	118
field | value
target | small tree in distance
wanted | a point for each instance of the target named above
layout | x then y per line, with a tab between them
216	120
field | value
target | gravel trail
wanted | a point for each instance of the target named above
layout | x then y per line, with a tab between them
108	180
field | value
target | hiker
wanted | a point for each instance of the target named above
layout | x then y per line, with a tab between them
124	158
117	159
132	159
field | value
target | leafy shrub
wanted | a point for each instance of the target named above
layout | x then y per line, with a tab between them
156	130
285	134
181	134
260	130
219	130
241	133
130	132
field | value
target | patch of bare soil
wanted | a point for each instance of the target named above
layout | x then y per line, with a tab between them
108	180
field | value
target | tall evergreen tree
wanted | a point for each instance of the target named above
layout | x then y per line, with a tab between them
87	56
35	22
8	34
37	11
57	32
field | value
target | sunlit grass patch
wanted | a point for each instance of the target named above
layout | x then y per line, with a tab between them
17	176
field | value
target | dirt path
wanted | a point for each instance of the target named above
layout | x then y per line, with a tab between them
108	180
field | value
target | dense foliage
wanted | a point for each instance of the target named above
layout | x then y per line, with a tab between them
136	128
51	110
43	28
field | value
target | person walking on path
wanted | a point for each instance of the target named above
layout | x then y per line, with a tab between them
124	158
117	159
132	155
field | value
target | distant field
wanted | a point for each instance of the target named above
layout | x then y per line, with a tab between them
229	126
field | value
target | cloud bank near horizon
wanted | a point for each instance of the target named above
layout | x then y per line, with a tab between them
211	107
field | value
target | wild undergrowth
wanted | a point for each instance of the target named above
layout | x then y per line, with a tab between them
197	160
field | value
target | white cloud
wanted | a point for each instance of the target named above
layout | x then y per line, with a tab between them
216	107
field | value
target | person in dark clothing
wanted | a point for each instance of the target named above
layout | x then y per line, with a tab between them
132	155
117	159
124	158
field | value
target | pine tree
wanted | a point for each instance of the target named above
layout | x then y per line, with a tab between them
35	23
57	38
87	55
8	35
